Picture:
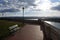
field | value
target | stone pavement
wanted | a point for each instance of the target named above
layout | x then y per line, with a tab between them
28	32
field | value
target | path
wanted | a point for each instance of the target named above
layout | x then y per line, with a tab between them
28	32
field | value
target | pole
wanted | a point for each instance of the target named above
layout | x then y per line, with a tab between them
23	15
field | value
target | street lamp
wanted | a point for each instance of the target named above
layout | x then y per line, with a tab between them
23	15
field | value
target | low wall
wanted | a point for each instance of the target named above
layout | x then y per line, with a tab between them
50	33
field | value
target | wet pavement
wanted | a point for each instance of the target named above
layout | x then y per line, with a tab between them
28	32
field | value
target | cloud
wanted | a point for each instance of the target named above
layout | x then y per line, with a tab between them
15	4
53	1
56	8
9	10
29	2
55	5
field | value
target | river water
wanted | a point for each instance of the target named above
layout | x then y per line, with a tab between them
55	24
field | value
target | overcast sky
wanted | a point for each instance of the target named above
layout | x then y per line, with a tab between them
32	7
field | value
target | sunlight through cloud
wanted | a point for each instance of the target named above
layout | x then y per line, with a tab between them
44	5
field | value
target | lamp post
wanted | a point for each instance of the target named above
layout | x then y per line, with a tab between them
23	14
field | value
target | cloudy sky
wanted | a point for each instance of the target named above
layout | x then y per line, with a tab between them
32	8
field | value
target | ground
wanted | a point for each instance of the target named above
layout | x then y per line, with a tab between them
28	32
4	25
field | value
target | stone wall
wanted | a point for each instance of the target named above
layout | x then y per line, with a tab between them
50	33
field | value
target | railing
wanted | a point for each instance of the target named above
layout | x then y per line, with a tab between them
49	32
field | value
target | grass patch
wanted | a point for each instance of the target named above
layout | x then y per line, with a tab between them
4	25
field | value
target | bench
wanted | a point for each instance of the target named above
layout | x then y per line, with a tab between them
13	28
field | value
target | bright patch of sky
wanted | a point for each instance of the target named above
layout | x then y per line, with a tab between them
43	5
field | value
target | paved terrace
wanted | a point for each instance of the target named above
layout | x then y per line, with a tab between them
28	32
